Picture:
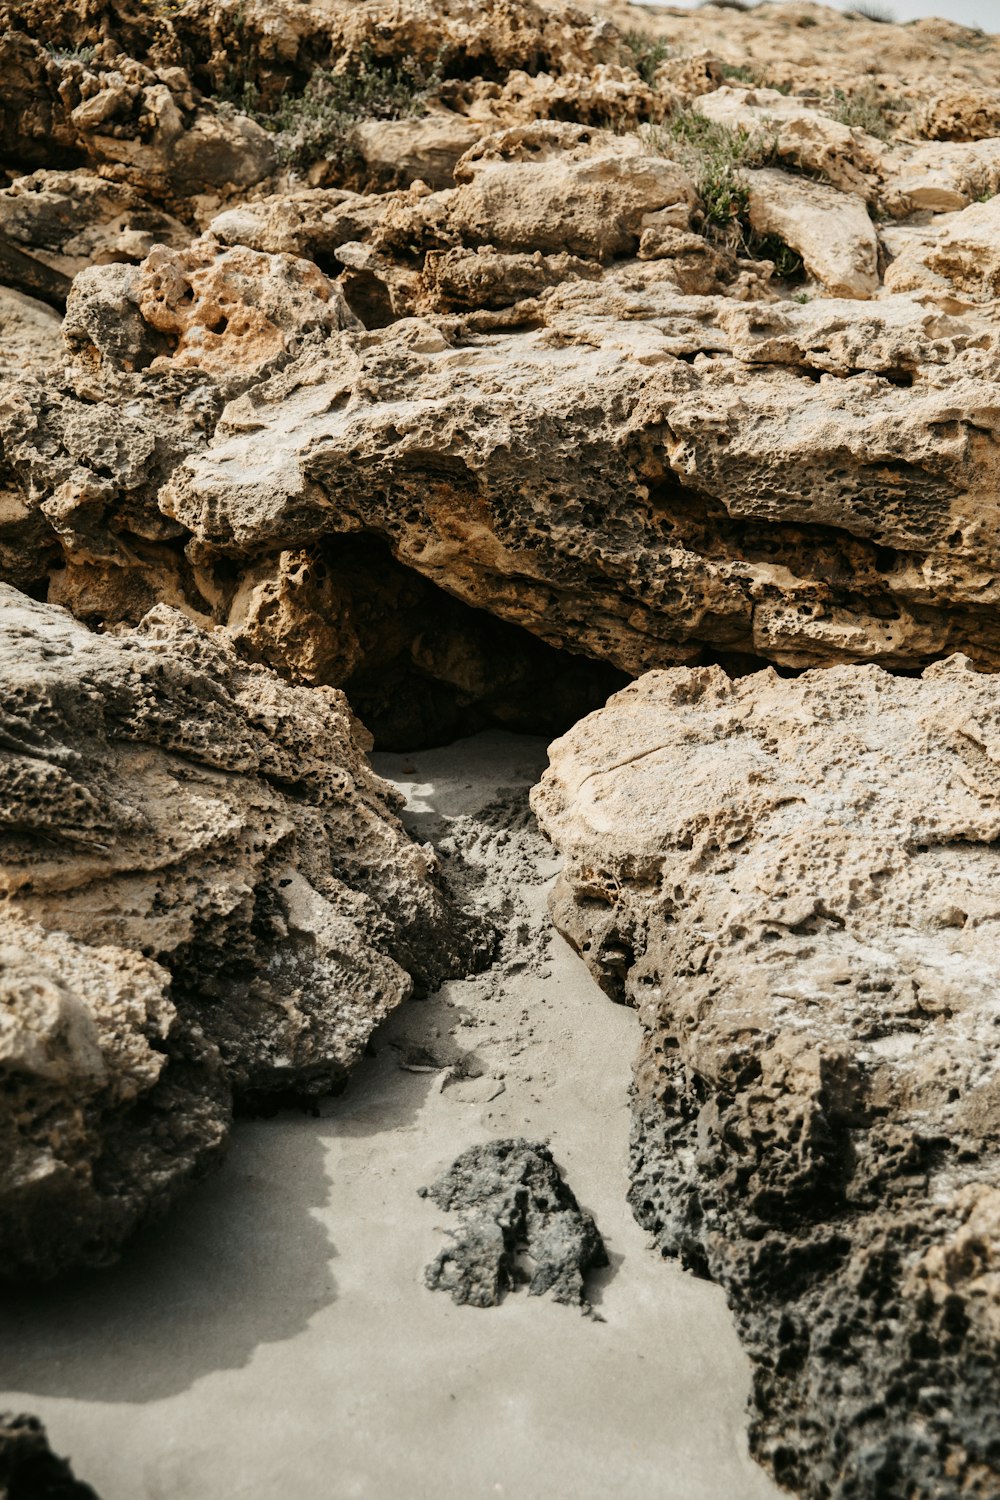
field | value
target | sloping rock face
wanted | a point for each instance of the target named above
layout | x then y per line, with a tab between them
797	884
206	893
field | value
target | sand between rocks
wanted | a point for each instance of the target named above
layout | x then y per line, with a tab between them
275	1336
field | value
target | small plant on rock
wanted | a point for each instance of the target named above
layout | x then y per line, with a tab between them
866	108
644	54
714	154
316	124
872	10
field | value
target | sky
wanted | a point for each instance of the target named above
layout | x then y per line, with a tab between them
984	13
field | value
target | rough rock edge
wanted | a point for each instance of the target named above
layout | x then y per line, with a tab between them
513	1202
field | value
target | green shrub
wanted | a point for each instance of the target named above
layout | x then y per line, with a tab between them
644	54
317	123
866	108
714	155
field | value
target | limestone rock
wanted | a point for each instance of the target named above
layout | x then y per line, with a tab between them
29	1470
563	188
30	334
71	220
956	263
830	230
206	892
629	479
963	115
426	148
803	137
513	1202
797	884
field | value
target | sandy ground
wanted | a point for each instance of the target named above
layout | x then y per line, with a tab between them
274	1337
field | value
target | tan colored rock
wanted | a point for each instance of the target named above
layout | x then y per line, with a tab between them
941	178
74	219
956	263
205	890
229	312
845	156
618	479
831	231
797	883
963	115
426	147
563	188
30	334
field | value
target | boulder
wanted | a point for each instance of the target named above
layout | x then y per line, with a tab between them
831	231
630	479
229	312
563	189
797	883
206	894
70	220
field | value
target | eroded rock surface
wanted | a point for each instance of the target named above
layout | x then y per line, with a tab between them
207	893
797	884
514	1207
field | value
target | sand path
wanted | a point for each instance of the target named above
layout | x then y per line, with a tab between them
274	1337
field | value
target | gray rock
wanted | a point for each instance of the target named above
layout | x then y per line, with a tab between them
29	1470
514	1205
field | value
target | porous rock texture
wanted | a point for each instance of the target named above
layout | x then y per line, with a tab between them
519	1222
797	883
206	893
547	370
473	356
29	1470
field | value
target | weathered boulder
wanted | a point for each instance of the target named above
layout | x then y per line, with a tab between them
30	335
797	883
637	478
206	893
954	263
830	230
70	220
963	115
563	188
232	313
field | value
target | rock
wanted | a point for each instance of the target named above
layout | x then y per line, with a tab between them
425	148
963	115
514	1203
797	884
230	312
30	334
466	279
831	231
71	220
207	893
616	479
801	136
562	189
942	178
29	1470
160	140
955	264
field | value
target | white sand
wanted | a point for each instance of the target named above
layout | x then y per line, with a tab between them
274	1337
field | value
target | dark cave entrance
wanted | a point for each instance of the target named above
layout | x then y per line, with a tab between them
422	668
